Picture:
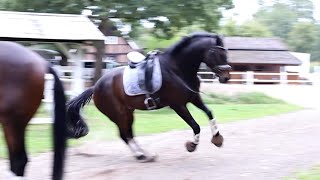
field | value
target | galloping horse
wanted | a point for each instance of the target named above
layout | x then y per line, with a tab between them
21	89
180	85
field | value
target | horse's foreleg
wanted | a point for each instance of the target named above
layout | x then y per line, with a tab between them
14	135
217	138
184	113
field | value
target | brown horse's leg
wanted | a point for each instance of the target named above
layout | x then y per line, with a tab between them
14	134
184	113
217	138
126	134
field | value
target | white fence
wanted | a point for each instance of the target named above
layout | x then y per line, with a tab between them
250	78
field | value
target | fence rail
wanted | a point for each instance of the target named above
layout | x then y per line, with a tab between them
249	78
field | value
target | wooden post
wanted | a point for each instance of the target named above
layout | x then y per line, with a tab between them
48	94
78	84
249	78
99	45
283	78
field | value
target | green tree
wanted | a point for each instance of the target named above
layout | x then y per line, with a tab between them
45	6
168	16
303	8
279	19
230	28
254	29
315	53
302	37
283	14
250	28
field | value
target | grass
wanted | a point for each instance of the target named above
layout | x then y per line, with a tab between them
312	174
226	109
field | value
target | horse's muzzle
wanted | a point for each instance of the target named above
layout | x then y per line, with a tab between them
222	71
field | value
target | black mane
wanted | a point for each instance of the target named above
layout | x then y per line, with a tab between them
185	41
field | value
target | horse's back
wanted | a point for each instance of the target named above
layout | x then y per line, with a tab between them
21	79
110	77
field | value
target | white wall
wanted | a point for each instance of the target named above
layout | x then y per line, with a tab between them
304	68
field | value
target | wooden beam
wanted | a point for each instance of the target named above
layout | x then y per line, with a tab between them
99	45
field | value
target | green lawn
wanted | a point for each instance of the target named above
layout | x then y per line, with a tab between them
312	174
39	139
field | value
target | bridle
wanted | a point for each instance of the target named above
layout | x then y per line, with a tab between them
218	68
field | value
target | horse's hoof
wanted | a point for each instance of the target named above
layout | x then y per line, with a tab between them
191	146
217	140
146	158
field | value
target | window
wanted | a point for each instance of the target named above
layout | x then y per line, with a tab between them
111	40
89	64
109	58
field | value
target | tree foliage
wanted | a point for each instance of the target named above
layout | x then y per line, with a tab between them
293	21
249	29
230	28
177	13
279	19
302	37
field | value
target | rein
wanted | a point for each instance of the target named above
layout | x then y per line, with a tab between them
196	92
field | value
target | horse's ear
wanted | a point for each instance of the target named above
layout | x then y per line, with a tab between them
220	40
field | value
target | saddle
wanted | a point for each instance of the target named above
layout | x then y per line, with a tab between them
148	76
146	65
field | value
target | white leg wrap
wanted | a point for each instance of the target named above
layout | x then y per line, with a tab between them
11	176
134	147
214	126
196	138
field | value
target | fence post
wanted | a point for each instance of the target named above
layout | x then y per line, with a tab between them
283	78
48	93
249	78
78	81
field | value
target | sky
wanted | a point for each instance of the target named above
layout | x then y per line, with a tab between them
244	9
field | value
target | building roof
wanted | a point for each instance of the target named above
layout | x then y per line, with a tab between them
47	27
262	57
254	43
254	50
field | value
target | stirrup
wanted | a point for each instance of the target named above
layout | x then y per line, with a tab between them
150	100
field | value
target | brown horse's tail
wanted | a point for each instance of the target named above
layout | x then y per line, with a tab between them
76	126
59	127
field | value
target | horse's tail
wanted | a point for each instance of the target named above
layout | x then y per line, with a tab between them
59	127
76	126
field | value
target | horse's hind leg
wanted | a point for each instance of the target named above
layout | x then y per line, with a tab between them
14	135
217	138
126	134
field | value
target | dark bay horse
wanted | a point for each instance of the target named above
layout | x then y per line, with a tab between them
180	85
22	82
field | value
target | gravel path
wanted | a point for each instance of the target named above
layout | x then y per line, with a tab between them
272	147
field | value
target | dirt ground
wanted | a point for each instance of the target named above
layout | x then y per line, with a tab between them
267	148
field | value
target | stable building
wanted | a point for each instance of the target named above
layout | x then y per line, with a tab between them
265	57
65	32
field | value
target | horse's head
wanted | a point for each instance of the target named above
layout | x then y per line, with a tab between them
202	47
216	60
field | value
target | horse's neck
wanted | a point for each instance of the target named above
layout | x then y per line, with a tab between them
189	64
186	70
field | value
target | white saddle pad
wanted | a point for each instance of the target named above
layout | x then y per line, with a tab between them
131	79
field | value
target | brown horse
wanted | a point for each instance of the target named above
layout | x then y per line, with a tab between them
21	89
180	85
